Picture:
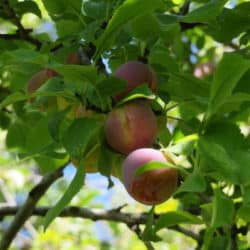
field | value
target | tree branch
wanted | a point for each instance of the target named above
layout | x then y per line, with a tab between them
131	220
81	212
22	33
24	212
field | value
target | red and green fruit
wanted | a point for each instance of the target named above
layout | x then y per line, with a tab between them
74	58
135	73
153	186
131	126
37	80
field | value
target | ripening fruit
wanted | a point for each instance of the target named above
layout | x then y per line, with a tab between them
131	126
135	73
37	80
51	73
74	58
151	187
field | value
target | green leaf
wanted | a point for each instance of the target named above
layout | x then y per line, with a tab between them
78	74
111	86
225	79
208	237
54	87
55	123
216	161
148	233
230	23
72	190
185	145
164	136
4	120
12	98
66	28
50	150
16	136
223	210
55	7
129	10
204	13
105	160
193	183
212	241
26	56
175	218
192	92
38	136
233	102
246	195
223	154
28	7
78	136
170	28
94	8
142	91
47	164
243	212
151	166
144	25
160	56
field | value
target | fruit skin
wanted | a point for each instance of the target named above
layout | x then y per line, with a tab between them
37	80
151	187
74	58
135	73
131	126
51	73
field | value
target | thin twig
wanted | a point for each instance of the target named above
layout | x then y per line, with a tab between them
25	211
11	202
22	33
185	7
149	245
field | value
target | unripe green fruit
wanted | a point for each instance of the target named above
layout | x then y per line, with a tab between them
135	73
91	164
131	126
151	187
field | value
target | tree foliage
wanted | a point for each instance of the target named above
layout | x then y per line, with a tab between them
199	51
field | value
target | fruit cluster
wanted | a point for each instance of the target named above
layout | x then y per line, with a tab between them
130	129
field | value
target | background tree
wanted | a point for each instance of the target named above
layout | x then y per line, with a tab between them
88	82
